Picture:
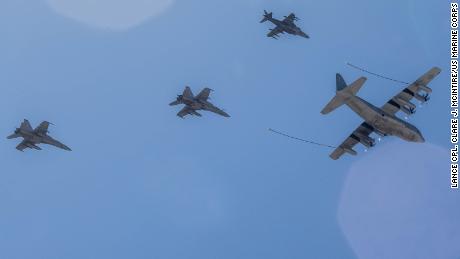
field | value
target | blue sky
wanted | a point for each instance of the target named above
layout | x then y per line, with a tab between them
142	183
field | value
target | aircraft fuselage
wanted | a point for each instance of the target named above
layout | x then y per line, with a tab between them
30	136
383	122
289	28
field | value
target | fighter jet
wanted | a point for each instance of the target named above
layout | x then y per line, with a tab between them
194	103
32	137
287	25
382	121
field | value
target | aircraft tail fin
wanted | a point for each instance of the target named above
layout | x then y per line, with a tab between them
343	93
187	94
267	16
25	125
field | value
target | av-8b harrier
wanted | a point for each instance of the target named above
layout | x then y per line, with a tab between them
382	121
194	103
287	25
32	137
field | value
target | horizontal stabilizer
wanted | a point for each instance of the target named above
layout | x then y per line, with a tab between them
343	93
176	102
333	104
14	135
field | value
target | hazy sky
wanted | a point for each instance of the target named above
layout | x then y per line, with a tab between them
143	183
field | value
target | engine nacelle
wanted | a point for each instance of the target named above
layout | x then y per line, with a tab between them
380	133
422	98
408	111
425	88
408	104
367	141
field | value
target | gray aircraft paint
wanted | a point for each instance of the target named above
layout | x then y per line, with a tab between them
33	137
196	103
382	121
287	25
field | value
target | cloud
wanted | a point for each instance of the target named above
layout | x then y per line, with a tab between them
397	203
110	14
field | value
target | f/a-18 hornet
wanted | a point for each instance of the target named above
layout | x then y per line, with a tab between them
194	103
32	137
382	121
287	25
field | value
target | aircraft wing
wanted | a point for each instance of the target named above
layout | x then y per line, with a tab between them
22	146
361	133
42	128
274	32
204	94
27	144
401	100
185	111
290	18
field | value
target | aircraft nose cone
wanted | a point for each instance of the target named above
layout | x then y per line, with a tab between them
302	34
66	148
420	138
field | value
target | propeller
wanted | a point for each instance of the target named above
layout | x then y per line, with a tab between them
426	97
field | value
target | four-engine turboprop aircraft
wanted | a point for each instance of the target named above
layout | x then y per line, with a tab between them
382	121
